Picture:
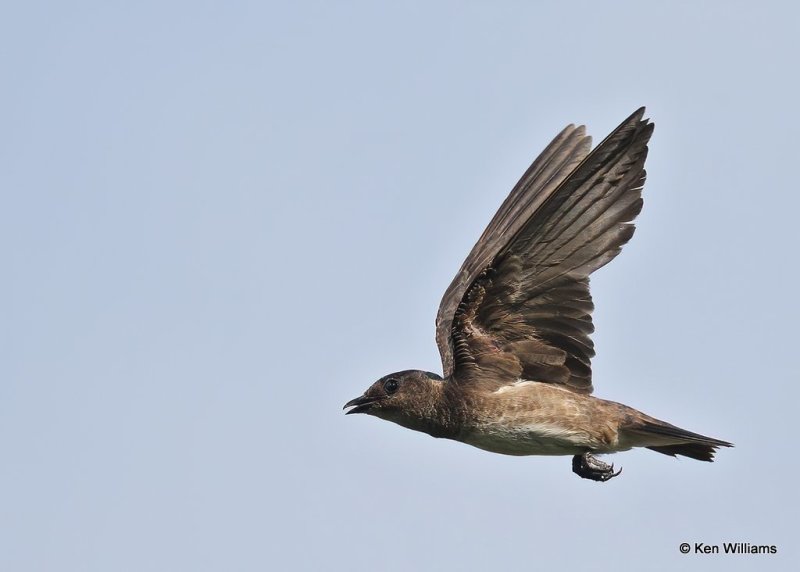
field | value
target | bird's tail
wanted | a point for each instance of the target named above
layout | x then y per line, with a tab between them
667	439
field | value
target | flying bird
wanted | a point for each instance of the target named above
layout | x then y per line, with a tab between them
514	326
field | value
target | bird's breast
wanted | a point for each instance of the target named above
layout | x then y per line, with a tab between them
532	418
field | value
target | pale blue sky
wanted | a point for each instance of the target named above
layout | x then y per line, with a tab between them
223	220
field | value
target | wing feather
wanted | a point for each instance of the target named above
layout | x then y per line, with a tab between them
520	305
542	178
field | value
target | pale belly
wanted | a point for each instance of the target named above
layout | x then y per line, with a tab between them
531	418
529	440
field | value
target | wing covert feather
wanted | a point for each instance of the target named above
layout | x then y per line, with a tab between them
545	174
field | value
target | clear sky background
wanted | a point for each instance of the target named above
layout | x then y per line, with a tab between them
222	220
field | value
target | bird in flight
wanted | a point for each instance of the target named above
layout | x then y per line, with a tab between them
514	327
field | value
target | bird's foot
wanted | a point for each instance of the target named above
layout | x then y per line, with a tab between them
588	467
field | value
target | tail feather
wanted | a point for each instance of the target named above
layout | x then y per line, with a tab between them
677	441
693	450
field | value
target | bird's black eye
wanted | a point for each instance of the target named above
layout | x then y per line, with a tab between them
391	385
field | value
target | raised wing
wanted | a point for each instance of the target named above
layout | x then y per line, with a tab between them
520	305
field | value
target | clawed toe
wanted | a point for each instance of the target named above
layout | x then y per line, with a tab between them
589	467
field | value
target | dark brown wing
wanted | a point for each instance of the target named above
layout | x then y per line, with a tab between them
520	306
543	177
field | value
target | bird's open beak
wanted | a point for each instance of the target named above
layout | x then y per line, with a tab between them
360	404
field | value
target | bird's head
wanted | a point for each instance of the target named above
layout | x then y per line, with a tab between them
408	398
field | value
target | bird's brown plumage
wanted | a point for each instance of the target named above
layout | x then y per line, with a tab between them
524	309
514	327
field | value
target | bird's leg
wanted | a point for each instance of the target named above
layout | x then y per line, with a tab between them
588	467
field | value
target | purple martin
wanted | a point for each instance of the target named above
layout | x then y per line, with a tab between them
514	327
